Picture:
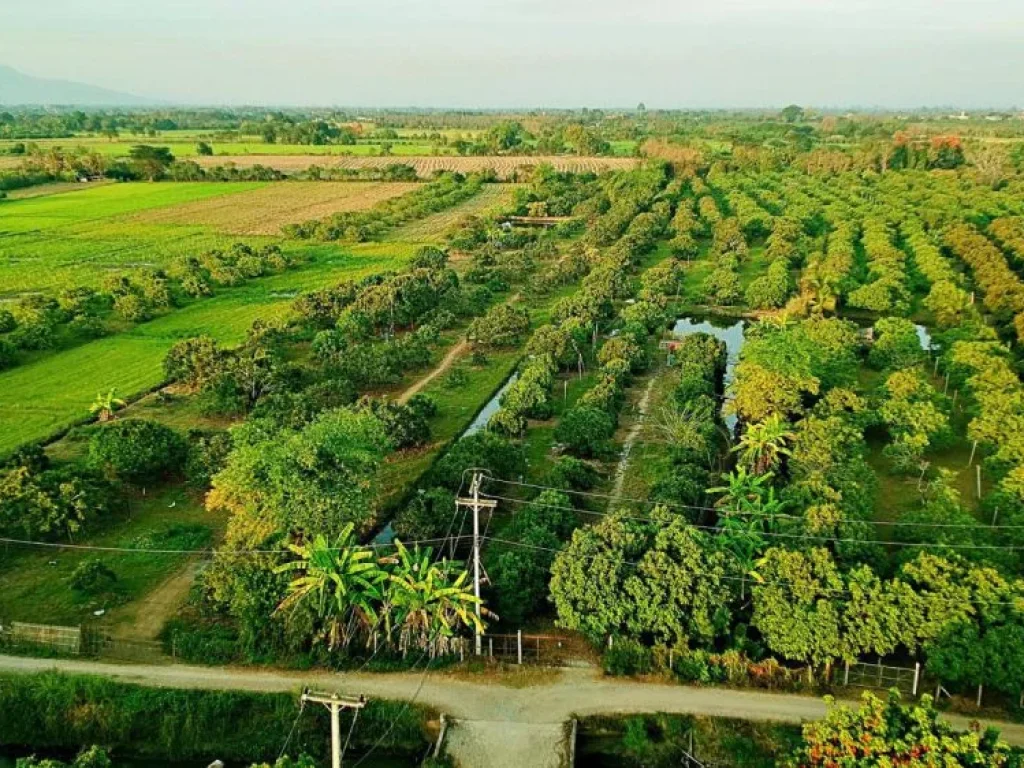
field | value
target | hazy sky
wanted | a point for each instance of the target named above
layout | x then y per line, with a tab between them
477	53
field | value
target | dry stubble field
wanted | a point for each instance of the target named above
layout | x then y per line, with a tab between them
264	211
505	167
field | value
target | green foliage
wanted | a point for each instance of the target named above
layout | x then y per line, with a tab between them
317	479
93	577
677	593
883	733
585	431
137	450
502	326
896	344
171	724
484	450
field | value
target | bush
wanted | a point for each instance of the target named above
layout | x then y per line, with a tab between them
573	474
585	431
207	455
137	449
92	577
627	657
484	450
181	725
428	515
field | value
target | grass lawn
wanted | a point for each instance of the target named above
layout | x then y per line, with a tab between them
34	584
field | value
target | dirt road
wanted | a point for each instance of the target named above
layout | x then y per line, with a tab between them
453	354
569	692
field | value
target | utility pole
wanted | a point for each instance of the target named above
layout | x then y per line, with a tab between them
335	704
476	504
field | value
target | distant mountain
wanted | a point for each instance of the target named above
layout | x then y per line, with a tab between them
18	88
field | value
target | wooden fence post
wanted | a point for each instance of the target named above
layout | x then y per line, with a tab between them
519	645
917	676
846	675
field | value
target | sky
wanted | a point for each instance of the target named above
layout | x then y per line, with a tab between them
526	53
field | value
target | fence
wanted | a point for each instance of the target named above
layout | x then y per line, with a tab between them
883	676
105	646
66	640
520	648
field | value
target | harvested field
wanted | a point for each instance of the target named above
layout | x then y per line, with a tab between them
433	228
264	211
505	167
56	188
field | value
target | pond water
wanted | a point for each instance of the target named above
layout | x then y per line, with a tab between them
733	333
482	418
729	330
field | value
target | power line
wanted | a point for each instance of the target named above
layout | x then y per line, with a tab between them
720	510
771	534
209	552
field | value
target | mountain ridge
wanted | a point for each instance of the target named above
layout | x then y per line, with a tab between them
18	88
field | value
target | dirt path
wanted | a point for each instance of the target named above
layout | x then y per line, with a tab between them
453	354
632	436
144	619
447	362
571	692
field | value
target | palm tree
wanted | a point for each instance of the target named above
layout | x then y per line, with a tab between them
763	445
343	583
428	601
106	406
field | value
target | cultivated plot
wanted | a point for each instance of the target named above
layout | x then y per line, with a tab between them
426	166
264	211
493	197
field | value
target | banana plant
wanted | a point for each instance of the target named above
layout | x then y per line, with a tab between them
343	584
428	600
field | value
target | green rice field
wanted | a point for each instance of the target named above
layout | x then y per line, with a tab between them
42	398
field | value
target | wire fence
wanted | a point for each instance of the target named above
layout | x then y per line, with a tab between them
880	676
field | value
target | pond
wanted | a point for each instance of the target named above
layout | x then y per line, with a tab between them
728	330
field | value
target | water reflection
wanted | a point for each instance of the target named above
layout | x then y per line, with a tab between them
482	418
732	332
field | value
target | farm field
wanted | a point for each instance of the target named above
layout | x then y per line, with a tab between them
265	210
77	237
493	198
743	415
41	398
504	166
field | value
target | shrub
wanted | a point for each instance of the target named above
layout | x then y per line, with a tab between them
428	515
627	657
136	449
486	450
585	431
207	455
93	577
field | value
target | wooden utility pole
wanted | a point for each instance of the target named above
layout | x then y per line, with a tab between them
475	503
335	704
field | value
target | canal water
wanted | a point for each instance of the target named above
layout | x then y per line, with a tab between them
492	407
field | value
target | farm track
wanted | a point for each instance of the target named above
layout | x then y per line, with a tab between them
513	711
426	166
449	360
632	436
